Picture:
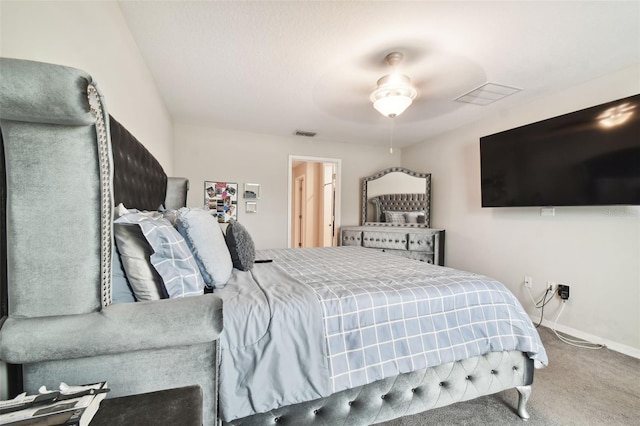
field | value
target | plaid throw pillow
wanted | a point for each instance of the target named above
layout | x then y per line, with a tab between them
394	217
170	256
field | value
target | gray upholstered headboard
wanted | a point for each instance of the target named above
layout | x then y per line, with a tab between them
402	203
139	182
57	195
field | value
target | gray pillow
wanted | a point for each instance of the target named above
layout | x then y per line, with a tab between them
135	254
168	256
205	239
241	247
121	292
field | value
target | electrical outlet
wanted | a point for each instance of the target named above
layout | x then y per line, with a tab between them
528	281
563	291
550	285
547	211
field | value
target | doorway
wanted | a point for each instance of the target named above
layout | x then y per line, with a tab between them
314	196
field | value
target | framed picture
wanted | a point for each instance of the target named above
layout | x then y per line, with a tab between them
251	206
252	191
221	198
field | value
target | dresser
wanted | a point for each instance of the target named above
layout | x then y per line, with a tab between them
424	244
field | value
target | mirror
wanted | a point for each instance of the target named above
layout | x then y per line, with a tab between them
397	197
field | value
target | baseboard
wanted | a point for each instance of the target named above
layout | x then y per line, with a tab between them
614	346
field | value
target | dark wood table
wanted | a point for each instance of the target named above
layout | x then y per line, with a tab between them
179	406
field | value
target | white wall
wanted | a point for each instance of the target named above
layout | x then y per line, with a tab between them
207	153
595	250
94	37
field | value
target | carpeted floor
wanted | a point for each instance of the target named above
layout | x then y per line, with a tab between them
579	387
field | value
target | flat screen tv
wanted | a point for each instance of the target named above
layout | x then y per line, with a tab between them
589	157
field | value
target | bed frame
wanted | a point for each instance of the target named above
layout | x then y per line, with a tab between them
135	173
139	180
412	393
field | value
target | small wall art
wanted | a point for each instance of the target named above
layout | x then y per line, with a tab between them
221	198
251	207
251	191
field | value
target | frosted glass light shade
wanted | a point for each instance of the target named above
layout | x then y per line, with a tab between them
393	105
393	95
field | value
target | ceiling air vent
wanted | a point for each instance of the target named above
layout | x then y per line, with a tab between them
307	133
487	94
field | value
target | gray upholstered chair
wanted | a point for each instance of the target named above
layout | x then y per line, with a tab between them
57	199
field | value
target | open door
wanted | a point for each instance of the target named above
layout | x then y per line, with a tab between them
313	201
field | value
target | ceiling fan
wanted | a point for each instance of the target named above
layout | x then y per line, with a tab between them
394	92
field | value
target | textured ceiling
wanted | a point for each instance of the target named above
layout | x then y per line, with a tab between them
277	66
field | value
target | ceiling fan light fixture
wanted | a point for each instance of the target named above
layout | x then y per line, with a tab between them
394	92
392	105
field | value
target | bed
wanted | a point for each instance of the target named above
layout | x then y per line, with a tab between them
391	337
309	335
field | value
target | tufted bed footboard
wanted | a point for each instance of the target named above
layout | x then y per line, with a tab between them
411	393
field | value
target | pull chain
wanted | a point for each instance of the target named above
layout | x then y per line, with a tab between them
393	125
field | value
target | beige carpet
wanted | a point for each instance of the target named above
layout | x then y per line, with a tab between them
579	387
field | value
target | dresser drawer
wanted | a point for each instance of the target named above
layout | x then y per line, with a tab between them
422	242
381	239
351	238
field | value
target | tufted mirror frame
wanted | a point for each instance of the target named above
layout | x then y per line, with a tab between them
365	199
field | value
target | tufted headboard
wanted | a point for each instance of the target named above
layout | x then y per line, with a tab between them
403	203
139	181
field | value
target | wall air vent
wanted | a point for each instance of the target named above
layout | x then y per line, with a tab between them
306	133
487	94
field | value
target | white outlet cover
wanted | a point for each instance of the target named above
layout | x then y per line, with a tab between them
548	211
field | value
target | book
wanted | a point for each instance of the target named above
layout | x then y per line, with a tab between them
70	406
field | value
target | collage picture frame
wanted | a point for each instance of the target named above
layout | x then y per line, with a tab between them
221	198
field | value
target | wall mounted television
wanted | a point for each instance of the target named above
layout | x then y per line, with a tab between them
589	157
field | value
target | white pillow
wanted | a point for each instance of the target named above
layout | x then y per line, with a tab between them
206	241
415	217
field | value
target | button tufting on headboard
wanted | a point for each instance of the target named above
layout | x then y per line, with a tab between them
139	180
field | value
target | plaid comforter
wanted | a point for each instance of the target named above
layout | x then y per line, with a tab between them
384	315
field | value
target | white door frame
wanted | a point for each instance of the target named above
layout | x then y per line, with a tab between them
299	207
338	164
